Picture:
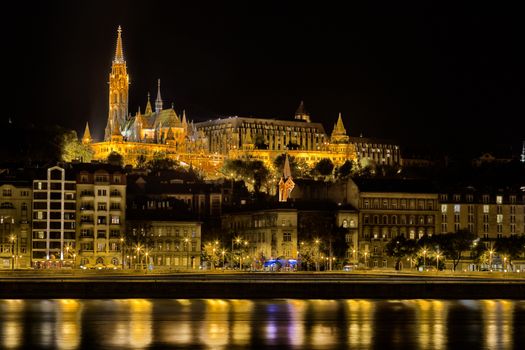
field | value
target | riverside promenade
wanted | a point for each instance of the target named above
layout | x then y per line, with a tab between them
260	285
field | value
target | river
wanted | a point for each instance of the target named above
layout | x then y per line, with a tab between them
261	324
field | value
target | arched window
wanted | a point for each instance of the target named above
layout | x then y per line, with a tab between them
84	261
114	261
100	260
394	219
385	220
345	223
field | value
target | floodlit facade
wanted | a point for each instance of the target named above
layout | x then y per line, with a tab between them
101	206
206	145
54	219
15	224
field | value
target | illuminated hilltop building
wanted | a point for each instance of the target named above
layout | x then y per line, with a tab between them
206	145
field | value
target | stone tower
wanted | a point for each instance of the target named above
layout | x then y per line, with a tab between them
118	89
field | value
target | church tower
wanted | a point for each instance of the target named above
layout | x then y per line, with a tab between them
339	133
118	89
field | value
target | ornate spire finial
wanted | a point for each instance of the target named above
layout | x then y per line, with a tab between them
158	101
148	106
119	53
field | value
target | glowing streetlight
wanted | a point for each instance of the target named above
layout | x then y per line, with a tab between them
437	260
424	259
122	251
491	252
366	253
13	238
186	241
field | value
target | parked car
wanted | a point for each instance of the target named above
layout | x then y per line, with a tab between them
349	267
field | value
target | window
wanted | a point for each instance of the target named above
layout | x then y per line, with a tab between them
499	199
456	227
7	192
345	223
116	179
24	193
499	218
83	178
485	209
512	199
500	228
115	219
457	208
102	206
443	208
486	198
470	198
101	193
287	236
485	228
366	203
457	197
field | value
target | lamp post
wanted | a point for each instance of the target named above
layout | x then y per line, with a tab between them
186	241
122	251
424	259
437	261
223	253
13	238
138	256
490	259
353	255
147	261
74	260
318	253
366	253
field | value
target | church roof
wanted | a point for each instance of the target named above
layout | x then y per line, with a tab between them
167	118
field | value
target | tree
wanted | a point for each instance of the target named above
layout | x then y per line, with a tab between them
254	172
278	163
141	161
161	162
344	171
400	247
324	167
115	158
510	247
454	244
73	149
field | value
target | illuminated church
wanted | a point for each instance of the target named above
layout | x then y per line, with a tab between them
164	132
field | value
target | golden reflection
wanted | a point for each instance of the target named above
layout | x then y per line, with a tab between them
12	327
296	311
431	321
324	332
140	324
360	315
497	323
214	330
241	316
67	326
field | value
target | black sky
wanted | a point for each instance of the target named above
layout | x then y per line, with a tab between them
417	72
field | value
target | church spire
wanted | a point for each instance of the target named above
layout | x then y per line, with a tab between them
119	53
158	101
87	135
148	106
339	133
286	184
118	88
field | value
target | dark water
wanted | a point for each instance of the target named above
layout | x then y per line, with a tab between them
261	324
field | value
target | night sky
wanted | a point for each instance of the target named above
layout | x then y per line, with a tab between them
445	76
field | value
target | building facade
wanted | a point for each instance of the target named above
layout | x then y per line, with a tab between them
54	219
101	207
205	145
15	223
165	244
270	234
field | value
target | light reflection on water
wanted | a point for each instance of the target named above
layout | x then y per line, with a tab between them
249	324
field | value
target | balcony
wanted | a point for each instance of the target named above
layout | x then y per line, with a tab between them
115	194
85	194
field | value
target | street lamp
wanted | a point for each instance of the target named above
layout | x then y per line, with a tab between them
122	251
13	238
491	251
366	253
74	260
424	259
186	241
353	255
238	241
437	261
317	241
223	253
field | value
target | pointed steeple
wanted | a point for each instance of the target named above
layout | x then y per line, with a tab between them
87	135
287	172
339	133
158	101
148	106
184	121
286	184
302	114
119	53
